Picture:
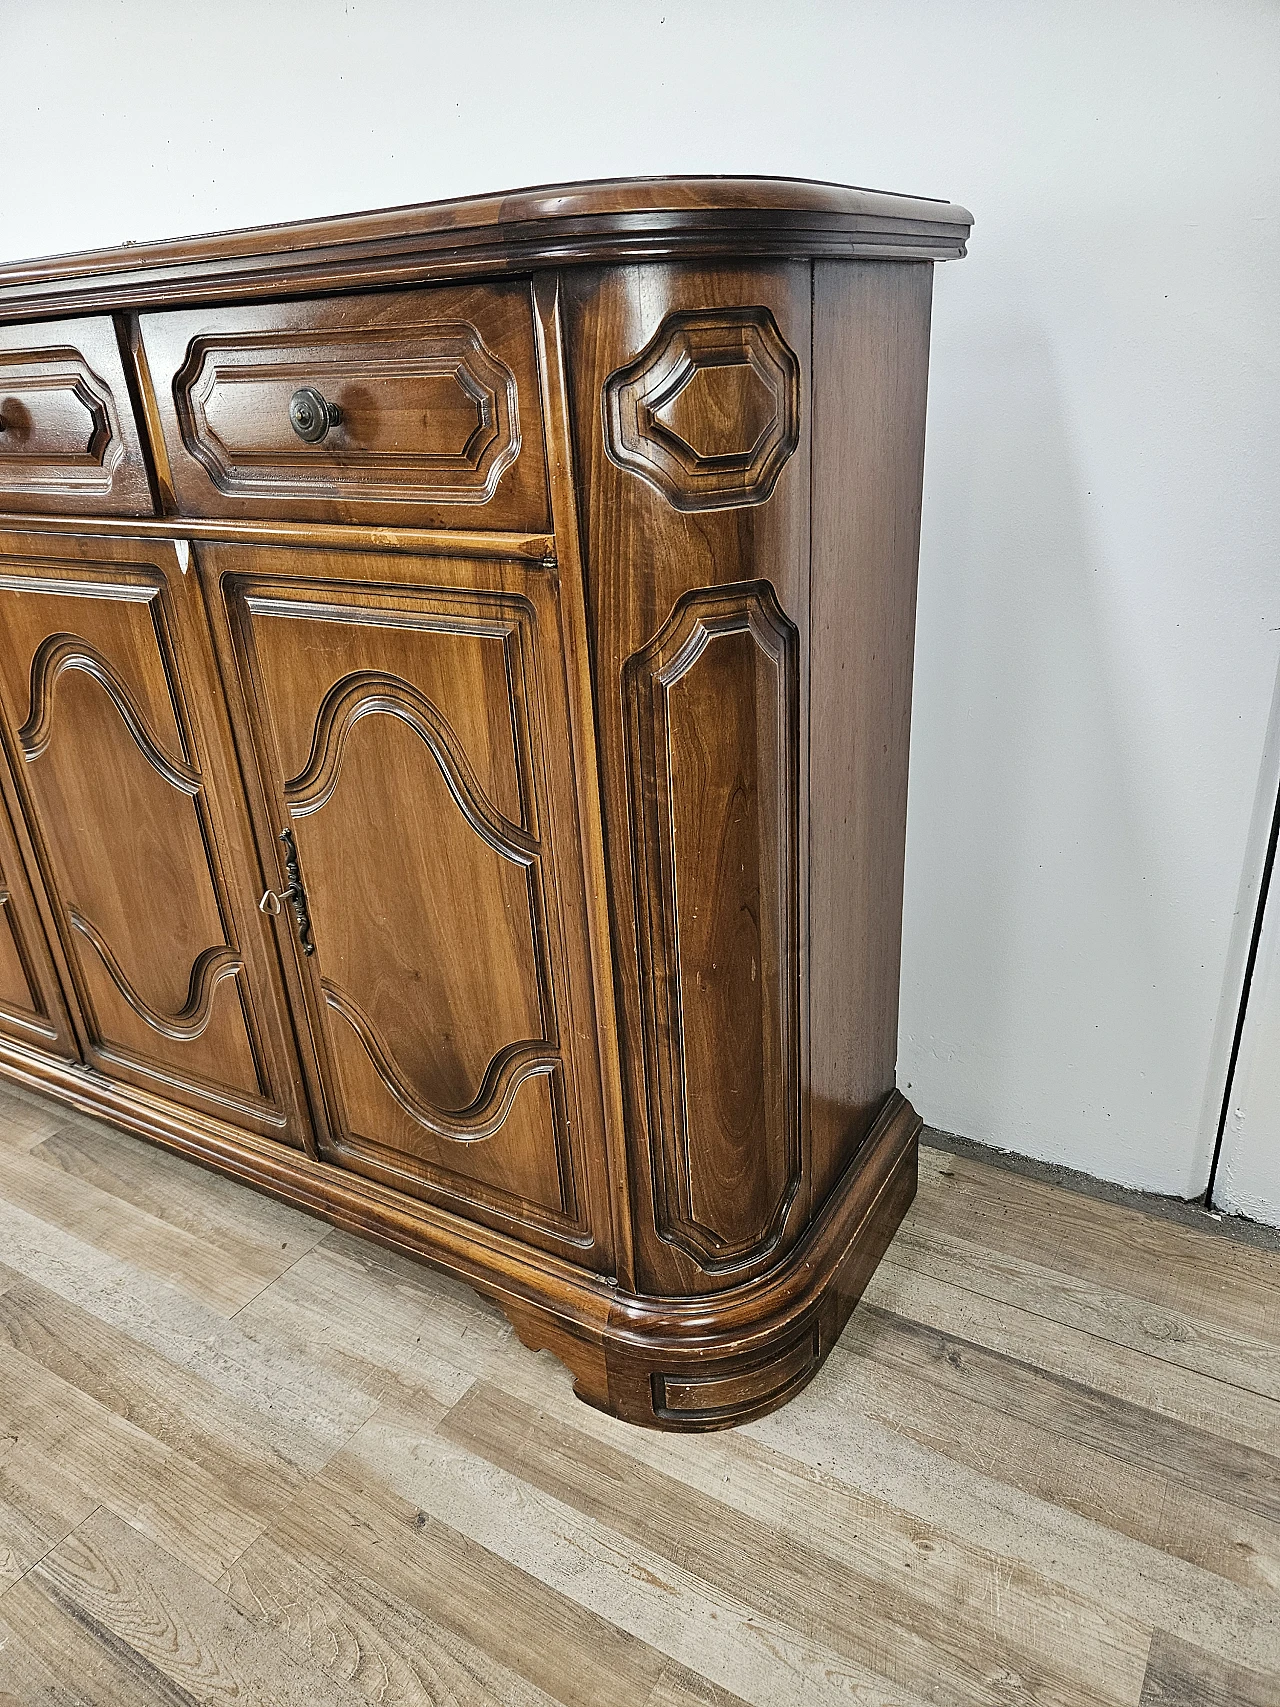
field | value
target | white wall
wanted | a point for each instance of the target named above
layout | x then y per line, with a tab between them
1100	595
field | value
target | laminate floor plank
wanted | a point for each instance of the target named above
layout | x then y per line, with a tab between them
169	1626
960	1303
27	1119
196	1515
1087	1304
1033	1621
259	1240
327	1609
351	1523
384	1333
39	1506
648	1596
53	1641
959	1416
1205	1277
934	1654
246	1458
221	1435
1179	1675
114	1226
1203	1463
847	1433
307	1411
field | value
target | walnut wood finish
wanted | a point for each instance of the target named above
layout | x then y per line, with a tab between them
701	755
477	814
406	712
112	722
436	392
68	438
32	1010
552	225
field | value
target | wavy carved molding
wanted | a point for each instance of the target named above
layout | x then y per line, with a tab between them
57	654
208	970
741	748
61	433
724	376
488	1109
453	452
368	693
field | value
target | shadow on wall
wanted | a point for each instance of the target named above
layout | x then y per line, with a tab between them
1040	915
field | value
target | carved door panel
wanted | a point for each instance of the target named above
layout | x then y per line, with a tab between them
124	766
32	1009
410	720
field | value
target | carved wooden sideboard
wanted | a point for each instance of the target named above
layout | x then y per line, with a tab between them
455	685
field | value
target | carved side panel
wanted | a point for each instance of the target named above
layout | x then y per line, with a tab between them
709	412
67	435
664	550
116	795
713	783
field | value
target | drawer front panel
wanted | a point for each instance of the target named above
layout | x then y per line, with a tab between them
420	406
412	740
68	439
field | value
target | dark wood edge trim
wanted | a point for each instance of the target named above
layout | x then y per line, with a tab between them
143	391
743	1322
257	280
535	549
405	262
546	226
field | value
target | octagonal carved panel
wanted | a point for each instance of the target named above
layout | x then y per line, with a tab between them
709	411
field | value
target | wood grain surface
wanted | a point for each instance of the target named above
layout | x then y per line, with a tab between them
247	1457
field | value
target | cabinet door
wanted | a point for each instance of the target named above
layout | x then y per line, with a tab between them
32	1010
118	745
409	718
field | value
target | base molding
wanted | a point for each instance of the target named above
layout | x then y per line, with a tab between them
692	1363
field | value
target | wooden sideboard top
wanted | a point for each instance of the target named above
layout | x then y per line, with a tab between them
609	220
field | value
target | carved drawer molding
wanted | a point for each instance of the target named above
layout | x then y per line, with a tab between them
465	435
68	440
426	408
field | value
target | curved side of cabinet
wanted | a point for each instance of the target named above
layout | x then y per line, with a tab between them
691	402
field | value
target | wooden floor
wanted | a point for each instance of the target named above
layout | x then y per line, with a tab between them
248	1460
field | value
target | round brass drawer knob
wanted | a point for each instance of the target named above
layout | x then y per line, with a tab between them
310	416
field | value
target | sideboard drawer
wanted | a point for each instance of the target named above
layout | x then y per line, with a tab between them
68	439
418	407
